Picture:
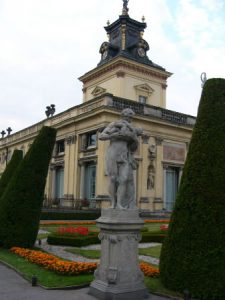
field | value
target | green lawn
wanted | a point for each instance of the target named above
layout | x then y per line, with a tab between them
155	286
45	277
95	254
152	227
151	251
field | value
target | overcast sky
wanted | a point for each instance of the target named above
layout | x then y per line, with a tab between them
45	45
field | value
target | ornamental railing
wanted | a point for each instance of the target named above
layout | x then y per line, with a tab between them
70	204
121	104
153	111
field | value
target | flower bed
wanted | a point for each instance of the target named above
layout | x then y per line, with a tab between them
53	263
148	270
157	221
164	227
73	230
92	222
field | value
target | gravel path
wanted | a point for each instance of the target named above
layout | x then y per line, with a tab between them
60	251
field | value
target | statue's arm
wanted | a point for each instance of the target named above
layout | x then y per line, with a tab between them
107	132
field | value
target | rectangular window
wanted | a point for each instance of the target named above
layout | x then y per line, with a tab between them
91	139
171	186
90	181
88	140
59	183
142	99
60	147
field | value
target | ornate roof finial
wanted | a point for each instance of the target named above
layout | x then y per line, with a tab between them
203	78
125	7
143	19
108	23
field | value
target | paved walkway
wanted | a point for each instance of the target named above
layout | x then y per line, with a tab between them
14	287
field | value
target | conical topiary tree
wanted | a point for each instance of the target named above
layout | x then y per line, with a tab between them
193	253
10	170
23	197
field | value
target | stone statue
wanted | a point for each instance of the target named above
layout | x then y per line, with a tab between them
125	7
151	177
125	4
120	161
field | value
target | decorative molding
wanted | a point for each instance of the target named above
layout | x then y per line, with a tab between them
122	63
152	152
145	138
88	159
71	139
112	275
89	153
120	74
84	90
98	90
147	89
144	200
158	140
103	197
164	86
167	165
56	164
157	200
174	152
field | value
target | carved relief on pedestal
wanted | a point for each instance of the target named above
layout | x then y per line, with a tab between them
112	275
114	239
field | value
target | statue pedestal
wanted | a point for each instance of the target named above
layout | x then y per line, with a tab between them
118	276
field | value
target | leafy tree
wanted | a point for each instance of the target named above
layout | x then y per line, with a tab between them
10	169
193	253
22	200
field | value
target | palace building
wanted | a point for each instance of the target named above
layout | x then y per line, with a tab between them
125	77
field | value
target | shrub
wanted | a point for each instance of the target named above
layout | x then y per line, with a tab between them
10	169
78	241
48	215
152	237
193	255
23	197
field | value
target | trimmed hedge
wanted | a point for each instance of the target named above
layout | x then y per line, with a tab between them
22	200
10	170
152	237
70	215
92	238
193	253
79	241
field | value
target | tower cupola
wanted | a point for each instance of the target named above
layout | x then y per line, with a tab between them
126	40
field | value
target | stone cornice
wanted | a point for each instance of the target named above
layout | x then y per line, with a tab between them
121	62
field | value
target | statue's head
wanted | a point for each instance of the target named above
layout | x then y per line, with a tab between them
127	114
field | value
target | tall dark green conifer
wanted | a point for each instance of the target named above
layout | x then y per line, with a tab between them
193	254
23	197
10	170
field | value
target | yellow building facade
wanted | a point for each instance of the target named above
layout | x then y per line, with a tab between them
125	77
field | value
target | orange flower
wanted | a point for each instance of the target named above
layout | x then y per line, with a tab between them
53	263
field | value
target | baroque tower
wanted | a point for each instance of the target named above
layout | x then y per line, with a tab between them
125	69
